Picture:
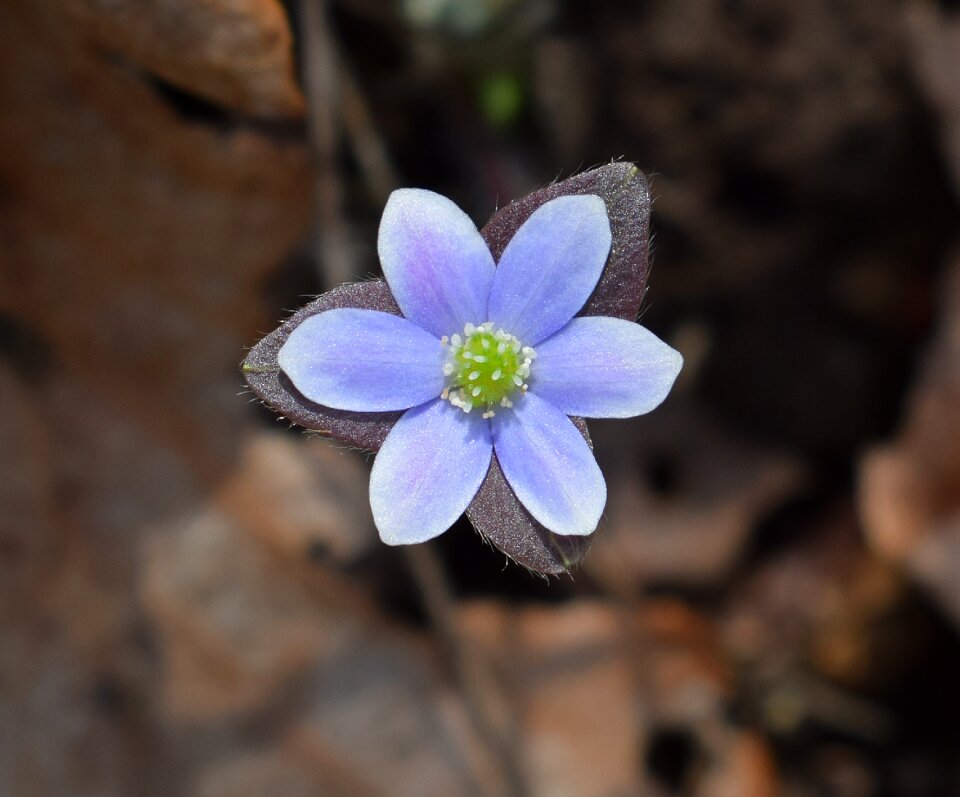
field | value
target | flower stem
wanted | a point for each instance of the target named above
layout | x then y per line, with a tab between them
474	681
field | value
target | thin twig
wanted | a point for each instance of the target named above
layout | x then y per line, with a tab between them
321	83
367	144
474	682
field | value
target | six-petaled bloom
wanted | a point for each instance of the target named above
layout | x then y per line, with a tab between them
488	360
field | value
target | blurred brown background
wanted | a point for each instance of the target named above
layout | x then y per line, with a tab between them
193	600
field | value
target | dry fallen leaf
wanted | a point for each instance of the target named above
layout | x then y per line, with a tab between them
136	238
685	497
909	492
596	689
237	54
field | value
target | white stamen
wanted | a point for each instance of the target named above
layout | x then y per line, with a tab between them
510	363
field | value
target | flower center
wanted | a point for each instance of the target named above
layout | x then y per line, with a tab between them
484	368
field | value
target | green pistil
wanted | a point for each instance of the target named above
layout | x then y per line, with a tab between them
485	367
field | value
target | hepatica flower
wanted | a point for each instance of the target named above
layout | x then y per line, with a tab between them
483	368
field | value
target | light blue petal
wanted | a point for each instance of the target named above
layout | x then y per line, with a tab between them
437	265
599	367
363	360
549	466
428	471
550	267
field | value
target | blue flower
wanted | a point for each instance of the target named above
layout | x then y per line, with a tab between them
487	360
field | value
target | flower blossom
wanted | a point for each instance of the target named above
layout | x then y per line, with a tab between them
488	360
